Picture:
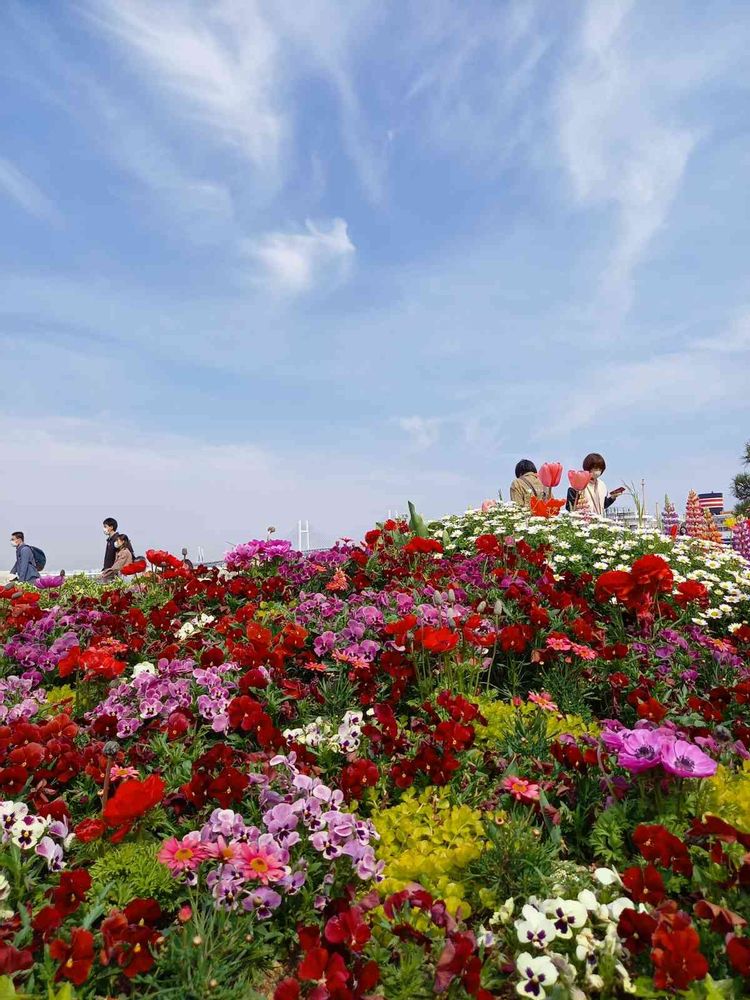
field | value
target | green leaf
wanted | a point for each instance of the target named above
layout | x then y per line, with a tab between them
417	525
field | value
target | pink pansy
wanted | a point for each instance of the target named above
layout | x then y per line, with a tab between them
183	855
685	760
521	789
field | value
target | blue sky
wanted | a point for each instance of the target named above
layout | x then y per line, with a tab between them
263	261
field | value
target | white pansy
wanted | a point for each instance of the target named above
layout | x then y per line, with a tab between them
607	876
537	973
535	929
568	915
143	668
27	832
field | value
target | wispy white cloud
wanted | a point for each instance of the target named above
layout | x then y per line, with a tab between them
291	263
218	62
621	141
423	432
26	193
735	339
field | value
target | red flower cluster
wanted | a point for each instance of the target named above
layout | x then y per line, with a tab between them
130	936
635	589
47	752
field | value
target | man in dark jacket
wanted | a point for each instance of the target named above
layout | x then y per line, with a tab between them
110	553
24	568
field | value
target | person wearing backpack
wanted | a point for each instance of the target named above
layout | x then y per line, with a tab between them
29	560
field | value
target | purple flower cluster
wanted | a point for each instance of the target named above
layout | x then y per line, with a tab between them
645	747
169	686
35	647
21	697
251	553
255	867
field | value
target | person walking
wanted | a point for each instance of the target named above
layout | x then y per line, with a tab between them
123	557
187	563
595	492
24	568
527	484
110	552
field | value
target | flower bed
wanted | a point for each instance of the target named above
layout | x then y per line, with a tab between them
518	765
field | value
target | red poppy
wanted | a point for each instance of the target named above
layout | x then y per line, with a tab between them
691	592
89	829
76	958
436	640
71	891
636	930
134	567
132	799
644	885
677	961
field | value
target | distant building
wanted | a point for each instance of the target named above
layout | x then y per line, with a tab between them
712	501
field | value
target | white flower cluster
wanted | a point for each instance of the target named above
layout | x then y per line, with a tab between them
320	733
25	830
601	544
194	625
570	941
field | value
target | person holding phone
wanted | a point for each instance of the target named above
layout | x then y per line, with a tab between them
599	498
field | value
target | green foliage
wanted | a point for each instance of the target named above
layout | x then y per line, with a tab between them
608	833
127	871
216	956
518	862
404	973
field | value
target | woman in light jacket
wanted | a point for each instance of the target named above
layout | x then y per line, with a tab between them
596	493
527	484
123	557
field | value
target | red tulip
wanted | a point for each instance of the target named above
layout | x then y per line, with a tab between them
550	474
579	480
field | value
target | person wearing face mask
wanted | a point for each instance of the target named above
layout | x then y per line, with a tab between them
124	556
596	493
110	552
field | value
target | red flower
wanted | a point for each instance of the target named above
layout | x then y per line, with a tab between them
636	930
76	958
436	640
288	989
738	953
14	960
723	921
423	545
644	885
320	966
133	951
614	583
652	574
487	545
71	891
47	921
348	928
357	776
135	567
399	629
228	786
677	961
515	638
689	592
89	829
657	844
132	799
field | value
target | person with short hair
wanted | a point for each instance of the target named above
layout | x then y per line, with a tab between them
123	557
110	553
595	493
24	568
527	484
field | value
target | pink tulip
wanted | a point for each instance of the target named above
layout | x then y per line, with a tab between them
579	480
488	505
550	474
